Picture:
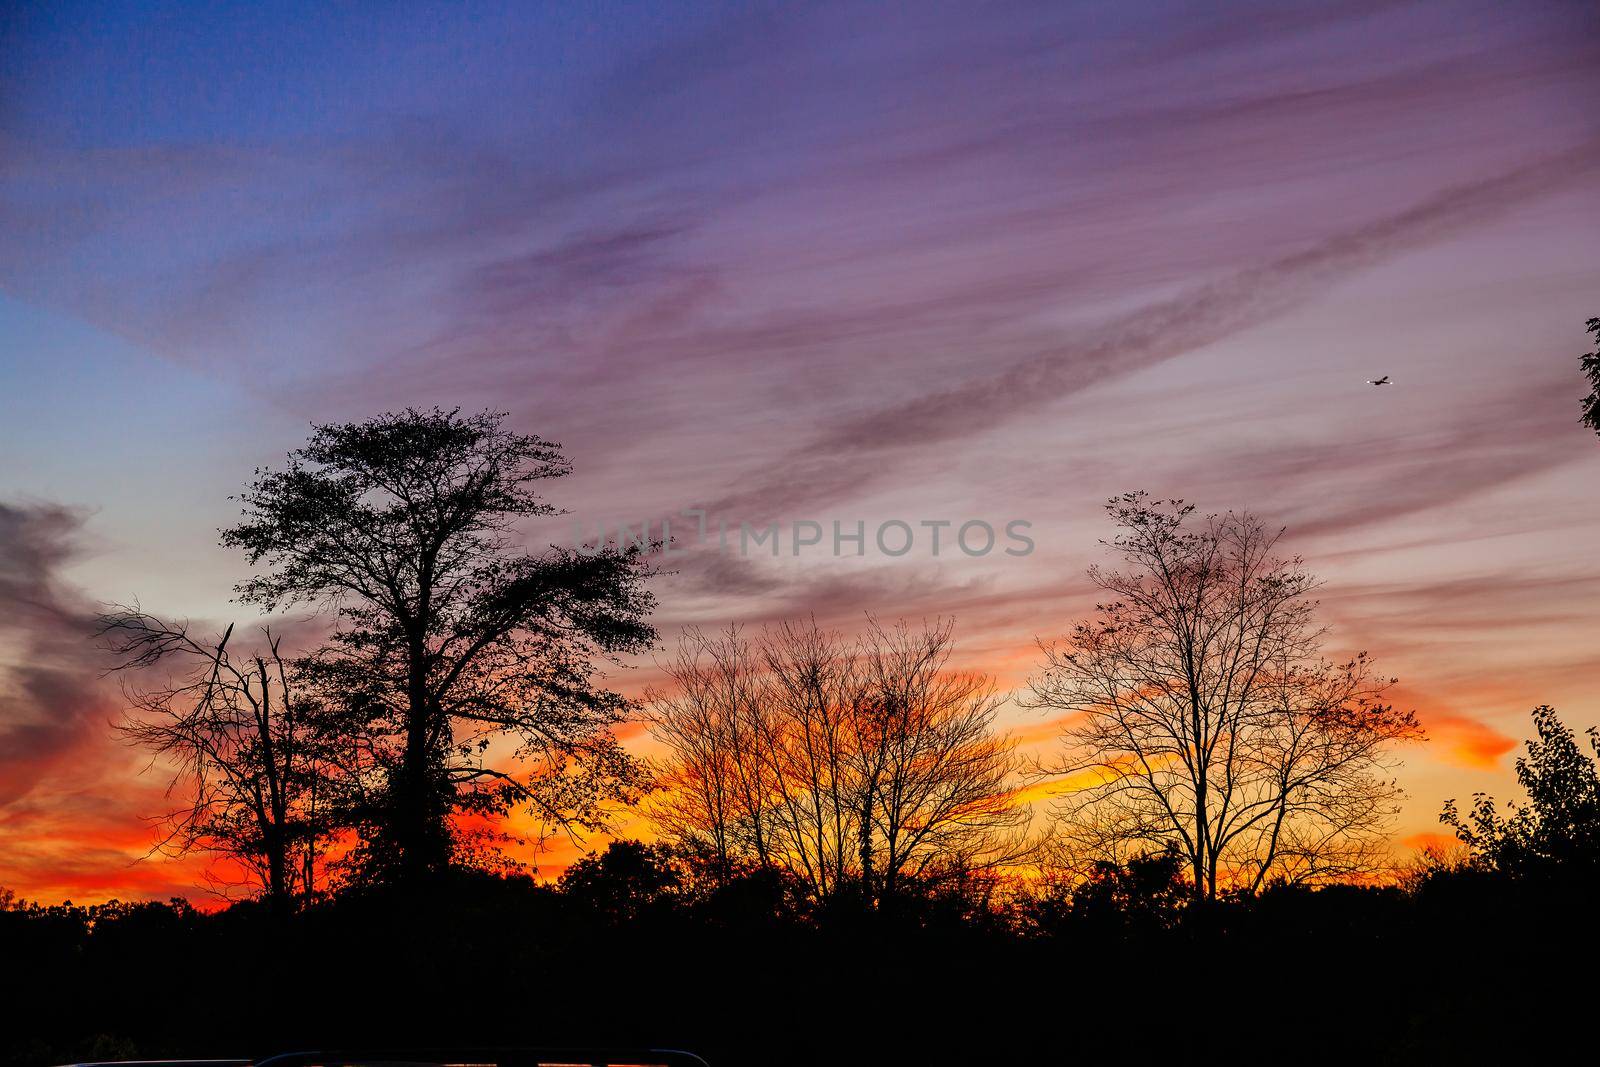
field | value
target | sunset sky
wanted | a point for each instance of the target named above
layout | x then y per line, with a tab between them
824	262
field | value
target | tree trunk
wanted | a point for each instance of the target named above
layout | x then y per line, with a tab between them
278	899
866	853
413	831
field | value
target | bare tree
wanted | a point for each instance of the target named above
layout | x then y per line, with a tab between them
716	788
1206	718
852	765
811	693
939	780
239	735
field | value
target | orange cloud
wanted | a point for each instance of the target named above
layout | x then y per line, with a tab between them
1468	742
1047	732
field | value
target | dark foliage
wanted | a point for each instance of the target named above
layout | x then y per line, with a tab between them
1556	834
1144	895
639	945
1590	361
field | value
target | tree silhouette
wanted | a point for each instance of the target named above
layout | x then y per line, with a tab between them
1590	362
241	735
1207	720
1146	891
854	766
1559	827
624	881
450	638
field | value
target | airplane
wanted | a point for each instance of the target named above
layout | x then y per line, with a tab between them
1379	381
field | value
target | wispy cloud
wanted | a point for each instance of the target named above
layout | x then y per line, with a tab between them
52	701
818	473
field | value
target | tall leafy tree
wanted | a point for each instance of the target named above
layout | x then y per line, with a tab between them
468	667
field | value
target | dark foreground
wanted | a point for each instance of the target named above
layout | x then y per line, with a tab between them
1461	967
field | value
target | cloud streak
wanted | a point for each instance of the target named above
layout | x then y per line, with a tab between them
847	457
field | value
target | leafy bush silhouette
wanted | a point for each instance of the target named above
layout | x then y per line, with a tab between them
1558	830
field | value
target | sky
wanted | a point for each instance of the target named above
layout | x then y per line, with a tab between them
826	262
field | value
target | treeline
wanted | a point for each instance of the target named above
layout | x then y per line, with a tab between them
1473	956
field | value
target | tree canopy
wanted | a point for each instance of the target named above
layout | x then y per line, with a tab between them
465	669
1558	829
